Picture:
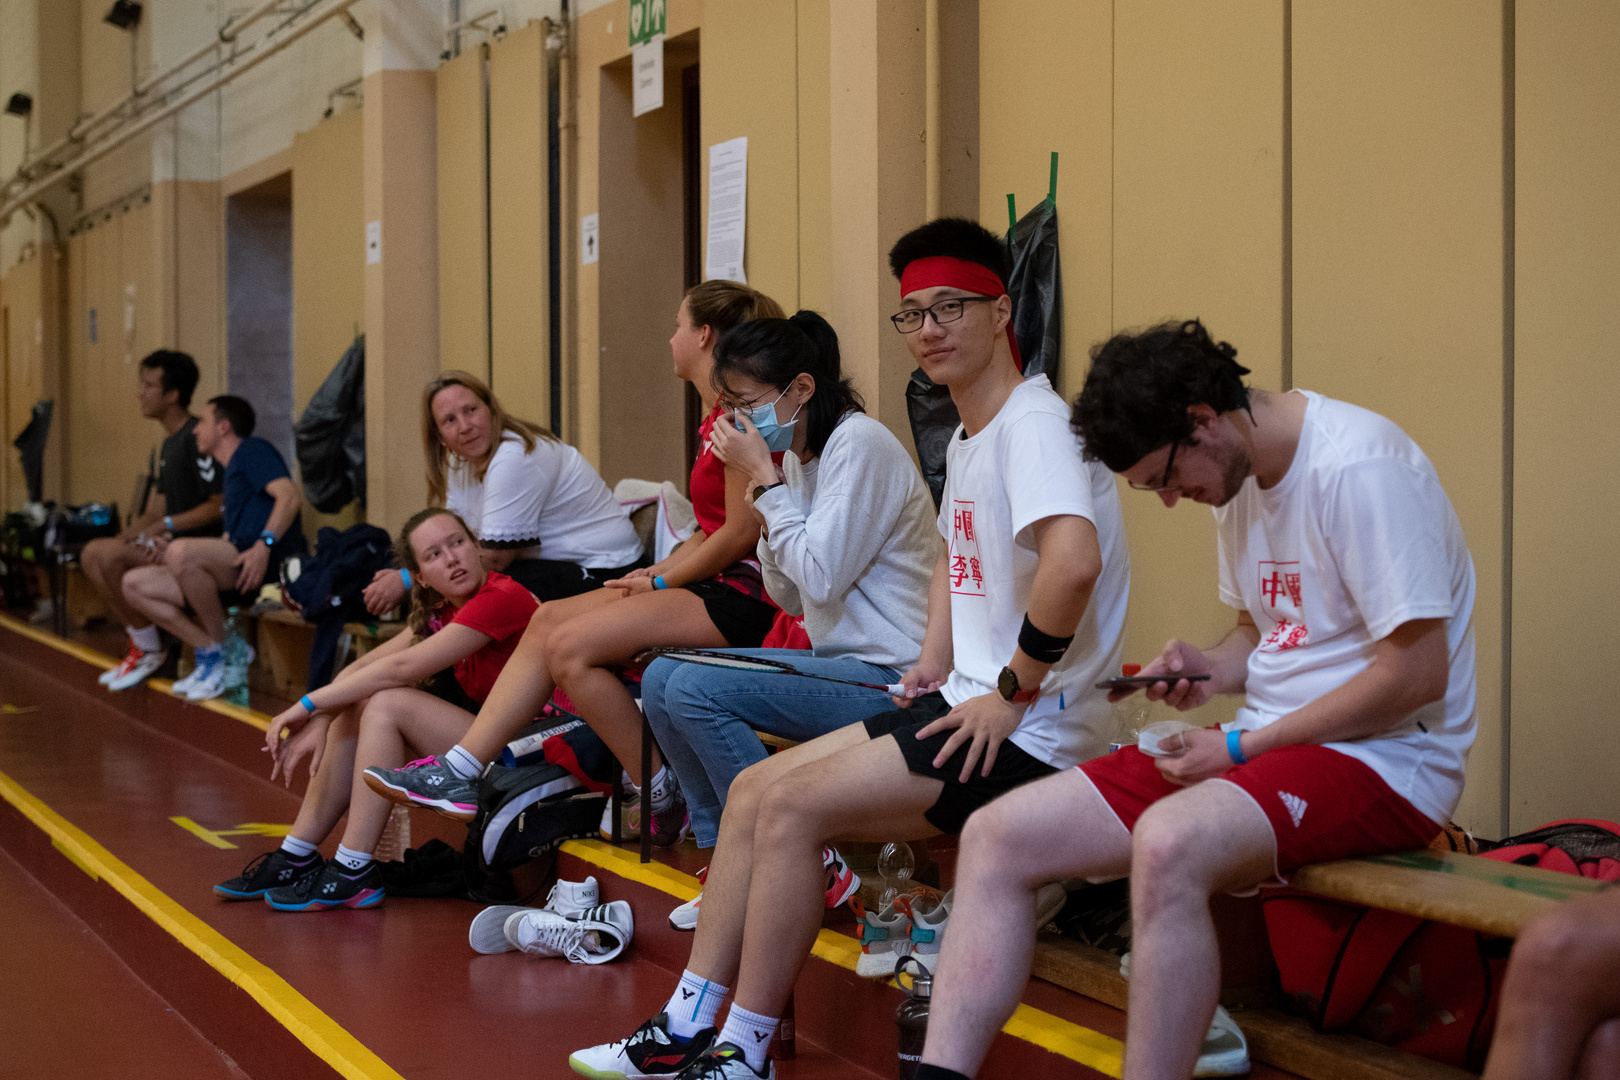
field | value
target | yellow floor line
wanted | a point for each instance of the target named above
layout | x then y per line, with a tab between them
312	1027
251	717
1063	1037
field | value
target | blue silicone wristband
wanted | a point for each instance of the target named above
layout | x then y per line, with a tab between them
405	576
309	706
658	582
1233	748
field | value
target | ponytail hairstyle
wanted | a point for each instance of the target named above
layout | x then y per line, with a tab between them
425	602
725	304
775	351
500	422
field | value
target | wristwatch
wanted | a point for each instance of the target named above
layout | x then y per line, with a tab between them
269	538
763	488
1007	684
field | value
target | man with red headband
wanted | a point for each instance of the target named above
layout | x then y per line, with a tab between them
1025	610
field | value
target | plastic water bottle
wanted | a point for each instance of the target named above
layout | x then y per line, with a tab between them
1130	715
896	864
238	655
396	836
912	1015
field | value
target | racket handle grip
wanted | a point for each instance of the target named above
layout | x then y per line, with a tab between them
897	689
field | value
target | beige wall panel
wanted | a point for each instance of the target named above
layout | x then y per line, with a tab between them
815	155
1566	501
189	221
463	250
1398	266
1197	232
520	273
643	410
750	88
104	66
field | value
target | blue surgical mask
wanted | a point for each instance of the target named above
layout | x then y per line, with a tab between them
777	436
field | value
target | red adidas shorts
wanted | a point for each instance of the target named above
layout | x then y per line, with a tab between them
1322	804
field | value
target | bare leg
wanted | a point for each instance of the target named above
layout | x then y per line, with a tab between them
583	650
154	591
1055	828
1560	999
203	567
392	720
105	561
1206	838
718	943
865	792
328	793
525	683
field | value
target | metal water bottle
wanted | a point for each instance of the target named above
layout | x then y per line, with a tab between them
912	1015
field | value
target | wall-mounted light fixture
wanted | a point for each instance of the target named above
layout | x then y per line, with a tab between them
124	14
19	104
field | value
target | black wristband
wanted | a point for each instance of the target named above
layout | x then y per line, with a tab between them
1040	646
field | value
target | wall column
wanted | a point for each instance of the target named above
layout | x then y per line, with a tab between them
399	135
878	188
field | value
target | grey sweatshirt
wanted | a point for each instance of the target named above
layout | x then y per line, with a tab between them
852	545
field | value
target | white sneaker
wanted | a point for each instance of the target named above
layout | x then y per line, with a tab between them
208	681
1225	1051
487	934
685	917
885	937
595	937
928	919
629	819
128	674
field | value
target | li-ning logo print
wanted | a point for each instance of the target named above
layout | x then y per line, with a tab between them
967	573
1283	595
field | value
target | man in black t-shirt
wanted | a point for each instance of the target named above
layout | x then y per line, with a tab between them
187	502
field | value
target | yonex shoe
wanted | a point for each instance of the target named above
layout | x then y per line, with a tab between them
427	782
725	1061
842	882
928	919
335	886
652	1051
669	824
629	819
595	937
487	934
885	938
272	870
1225	1051
207	679
135	669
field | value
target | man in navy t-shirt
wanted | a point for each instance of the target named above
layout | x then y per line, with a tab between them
261	529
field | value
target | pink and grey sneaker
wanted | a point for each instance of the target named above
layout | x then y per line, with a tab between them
427	782
842	882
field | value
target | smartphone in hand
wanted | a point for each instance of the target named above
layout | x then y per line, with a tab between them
1137	682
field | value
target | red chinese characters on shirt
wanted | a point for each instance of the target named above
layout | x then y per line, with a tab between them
967	574
1283	595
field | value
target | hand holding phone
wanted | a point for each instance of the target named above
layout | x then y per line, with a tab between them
1137	682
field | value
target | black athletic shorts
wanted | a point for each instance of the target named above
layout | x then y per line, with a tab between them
552	579
446	687
741	620
1013	768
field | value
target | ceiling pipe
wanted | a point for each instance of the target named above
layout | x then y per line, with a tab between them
255	55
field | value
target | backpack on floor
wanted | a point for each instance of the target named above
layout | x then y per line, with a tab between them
524	813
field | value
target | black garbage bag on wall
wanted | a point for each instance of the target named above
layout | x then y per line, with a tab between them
1036	289
331	435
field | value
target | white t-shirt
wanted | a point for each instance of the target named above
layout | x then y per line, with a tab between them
1025	466
1356	539
550	500
851	545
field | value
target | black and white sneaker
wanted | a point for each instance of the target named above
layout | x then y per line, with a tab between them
651	1051
335	886
272	870
725	1061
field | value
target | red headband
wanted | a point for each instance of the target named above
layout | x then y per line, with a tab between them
936	270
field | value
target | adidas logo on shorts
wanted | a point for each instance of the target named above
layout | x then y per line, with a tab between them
1295	804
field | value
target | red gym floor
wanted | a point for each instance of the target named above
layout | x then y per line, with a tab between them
122	961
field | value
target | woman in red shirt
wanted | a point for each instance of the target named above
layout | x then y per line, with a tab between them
462	617
709	592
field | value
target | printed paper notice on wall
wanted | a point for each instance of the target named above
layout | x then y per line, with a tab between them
590	239
647	76
728	210
373	242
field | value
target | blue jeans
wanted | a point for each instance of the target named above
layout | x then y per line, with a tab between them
705	717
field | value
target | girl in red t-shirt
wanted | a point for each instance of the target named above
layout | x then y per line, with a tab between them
463	618
709	592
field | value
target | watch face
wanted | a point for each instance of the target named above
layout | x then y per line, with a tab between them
1007	683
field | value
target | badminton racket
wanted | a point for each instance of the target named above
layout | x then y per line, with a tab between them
736	662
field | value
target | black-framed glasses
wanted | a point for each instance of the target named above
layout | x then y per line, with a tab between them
943	311
1164	480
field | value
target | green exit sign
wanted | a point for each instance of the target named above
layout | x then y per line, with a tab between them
647	20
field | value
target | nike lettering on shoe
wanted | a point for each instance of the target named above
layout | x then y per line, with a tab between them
1295	804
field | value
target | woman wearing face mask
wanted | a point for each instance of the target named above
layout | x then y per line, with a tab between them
850	543
464	618
541	513
709	592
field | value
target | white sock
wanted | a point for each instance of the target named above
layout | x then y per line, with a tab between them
663	792
628	784
462	763
298	849
353	860
750	1031
694	1005
145	639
